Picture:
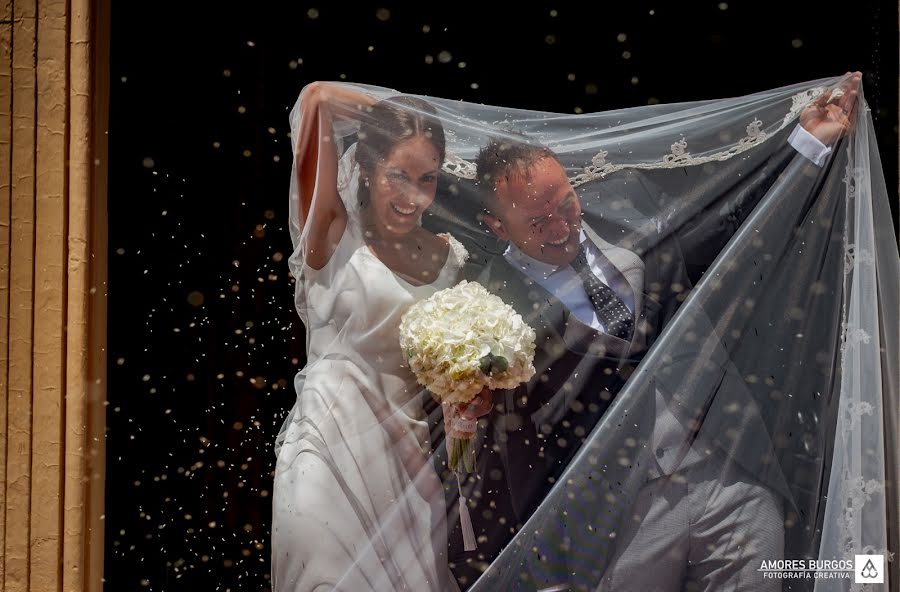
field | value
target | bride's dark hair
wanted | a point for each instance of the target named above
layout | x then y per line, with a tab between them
390	122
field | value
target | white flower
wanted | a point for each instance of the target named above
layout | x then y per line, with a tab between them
464	338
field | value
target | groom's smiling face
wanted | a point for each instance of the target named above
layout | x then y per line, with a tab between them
538	210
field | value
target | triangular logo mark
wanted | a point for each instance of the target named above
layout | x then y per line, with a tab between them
869	571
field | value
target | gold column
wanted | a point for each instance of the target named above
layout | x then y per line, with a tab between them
21	278
5	201
53	113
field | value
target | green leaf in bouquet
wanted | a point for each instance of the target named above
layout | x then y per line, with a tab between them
491	364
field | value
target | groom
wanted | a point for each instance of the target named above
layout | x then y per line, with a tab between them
597	307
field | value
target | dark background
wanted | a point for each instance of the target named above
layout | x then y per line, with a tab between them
203	338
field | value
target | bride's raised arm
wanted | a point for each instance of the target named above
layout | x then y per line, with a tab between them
316	165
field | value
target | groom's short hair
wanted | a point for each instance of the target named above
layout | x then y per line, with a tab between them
506	157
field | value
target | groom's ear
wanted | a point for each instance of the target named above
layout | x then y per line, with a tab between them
496	225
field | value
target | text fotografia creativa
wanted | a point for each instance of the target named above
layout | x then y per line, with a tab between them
863	569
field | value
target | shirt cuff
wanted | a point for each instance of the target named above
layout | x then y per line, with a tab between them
809	146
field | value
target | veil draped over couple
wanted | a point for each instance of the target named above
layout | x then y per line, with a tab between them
713	288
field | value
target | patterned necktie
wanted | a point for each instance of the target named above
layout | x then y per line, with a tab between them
611	311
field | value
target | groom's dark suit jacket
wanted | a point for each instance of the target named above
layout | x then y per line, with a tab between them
536	429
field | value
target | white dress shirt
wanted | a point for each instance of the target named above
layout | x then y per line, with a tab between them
809	146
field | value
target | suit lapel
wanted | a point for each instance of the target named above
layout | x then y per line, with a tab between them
626	267
539	308
624	264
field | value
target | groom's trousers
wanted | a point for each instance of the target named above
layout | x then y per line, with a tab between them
706	527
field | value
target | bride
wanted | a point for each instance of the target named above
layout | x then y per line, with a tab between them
357	504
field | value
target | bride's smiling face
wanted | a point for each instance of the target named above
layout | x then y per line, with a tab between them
403	185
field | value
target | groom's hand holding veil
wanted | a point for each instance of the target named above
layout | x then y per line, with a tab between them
830	117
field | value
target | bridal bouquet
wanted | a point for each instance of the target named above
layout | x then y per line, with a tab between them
459	341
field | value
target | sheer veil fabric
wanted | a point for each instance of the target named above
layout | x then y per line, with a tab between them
750	415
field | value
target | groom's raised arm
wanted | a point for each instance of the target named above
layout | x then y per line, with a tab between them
651	210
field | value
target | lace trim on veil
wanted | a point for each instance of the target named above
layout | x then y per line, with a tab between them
679	155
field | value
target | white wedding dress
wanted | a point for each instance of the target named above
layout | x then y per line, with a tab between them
357	504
